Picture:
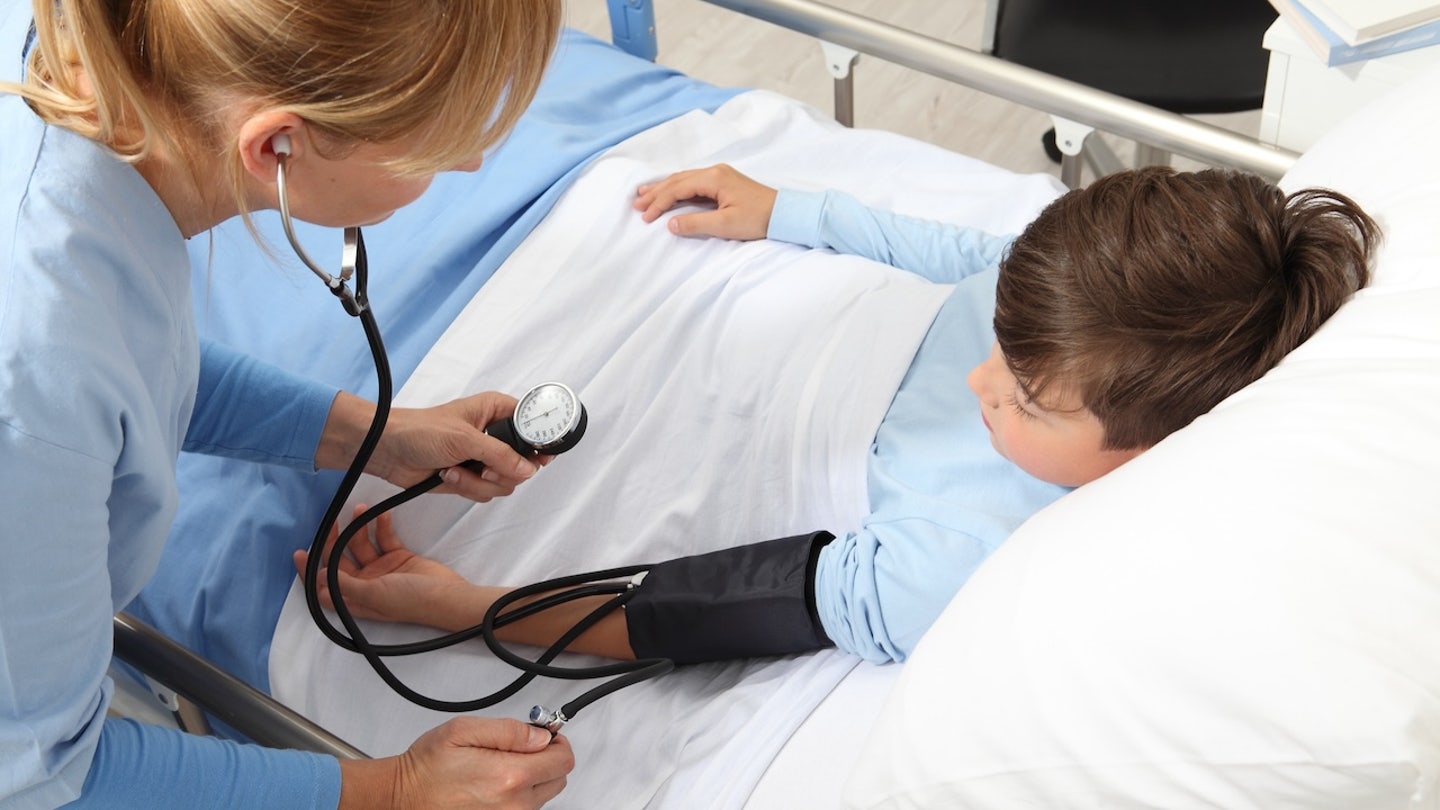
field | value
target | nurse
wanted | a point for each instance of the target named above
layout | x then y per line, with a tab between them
125	129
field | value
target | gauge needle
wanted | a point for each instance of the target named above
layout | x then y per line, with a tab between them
541	415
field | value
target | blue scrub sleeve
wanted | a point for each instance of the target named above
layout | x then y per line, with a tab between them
251	410
142	766
937	251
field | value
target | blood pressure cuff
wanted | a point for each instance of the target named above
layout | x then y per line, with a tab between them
740	602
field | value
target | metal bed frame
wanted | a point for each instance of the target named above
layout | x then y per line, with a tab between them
1078	109
199	687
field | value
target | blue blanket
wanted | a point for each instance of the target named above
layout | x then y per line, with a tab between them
227	567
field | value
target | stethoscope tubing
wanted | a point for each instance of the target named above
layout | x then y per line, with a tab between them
547	595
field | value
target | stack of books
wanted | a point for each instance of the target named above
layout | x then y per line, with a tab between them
1344	31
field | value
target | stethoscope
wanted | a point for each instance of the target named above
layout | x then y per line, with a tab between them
550	419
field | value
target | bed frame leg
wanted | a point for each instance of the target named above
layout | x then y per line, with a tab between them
186	713
1070	137
1147	155
840	61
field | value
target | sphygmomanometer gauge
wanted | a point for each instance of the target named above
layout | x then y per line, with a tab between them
549	419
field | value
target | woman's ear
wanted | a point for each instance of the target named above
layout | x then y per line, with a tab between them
261	133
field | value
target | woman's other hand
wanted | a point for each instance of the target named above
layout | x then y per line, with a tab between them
483	763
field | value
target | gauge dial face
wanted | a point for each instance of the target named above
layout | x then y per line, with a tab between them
546	415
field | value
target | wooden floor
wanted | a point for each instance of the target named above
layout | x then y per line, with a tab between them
730	49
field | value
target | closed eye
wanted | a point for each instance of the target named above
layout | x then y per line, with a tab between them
1019	407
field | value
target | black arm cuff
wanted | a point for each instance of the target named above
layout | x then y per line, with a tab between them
740	602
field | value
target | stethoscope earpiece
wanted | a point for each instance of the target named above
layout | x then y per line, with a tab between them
353	255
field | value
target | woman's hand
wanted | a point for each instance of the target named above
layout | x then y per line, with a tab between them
418	442
383	579
468	762
742	206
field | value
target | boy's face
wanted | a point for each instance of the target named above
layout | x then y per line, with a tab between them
1059	442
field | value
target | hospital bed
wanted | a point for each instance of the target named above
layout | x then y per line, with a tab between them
1243	617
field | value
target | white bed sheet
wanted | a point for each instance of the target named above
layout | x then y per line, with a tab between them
734	390
829	744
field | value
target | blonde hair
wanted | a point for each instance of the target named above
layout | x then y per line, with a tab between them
453	76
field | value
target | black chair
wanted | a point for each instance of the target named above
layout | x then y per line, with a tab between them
1185	57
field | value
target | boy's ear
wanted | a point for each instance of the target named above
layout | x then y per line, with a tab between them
259	136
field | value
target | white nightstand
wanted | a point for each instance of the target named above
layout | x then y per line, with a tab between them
1303	98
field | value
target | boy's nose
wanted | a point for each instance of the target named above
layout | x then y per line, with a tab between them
976	380
981	380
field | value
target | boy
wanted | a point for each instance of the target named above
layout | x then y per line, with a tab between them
1123	312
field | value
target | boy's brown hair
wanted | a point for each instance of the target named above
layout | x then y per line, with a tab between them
1152	295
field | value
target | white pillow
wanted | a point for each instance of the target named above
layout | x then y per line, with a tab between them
1248	615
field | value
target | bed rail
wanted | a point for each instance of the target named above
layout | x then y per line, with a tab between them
239	705
1062	98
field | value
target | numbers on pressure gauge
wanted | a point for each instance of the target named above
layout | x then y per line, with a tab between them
549	418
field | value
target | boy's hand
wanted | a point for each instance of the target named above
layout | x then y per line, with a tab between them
382	579
742	210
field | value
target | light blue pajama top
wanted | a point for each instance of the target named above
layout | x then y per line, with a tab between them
102	382
941	498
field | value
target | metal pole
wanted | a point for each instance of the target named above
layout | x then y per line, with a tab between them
241	706
845	100
1031	88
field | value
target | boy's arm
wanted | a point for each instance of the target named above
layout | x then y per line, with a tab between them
746	210
879	589
938	251
433	600
740	602
382	579
742	206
